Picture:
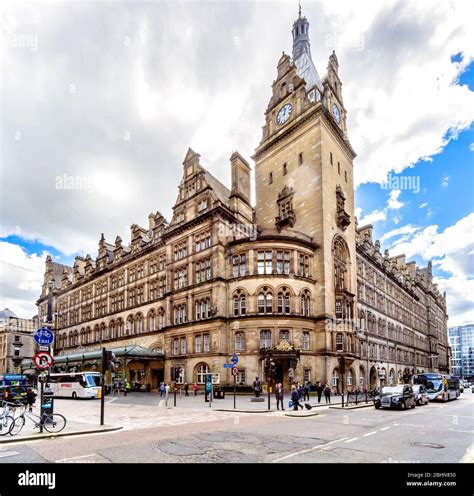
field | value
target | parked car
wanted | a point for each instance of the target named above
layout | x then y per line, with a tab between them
421	396
401	397
13	393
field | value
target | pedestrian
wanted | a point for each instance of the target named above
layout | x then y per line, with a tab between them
327	393
195	389
162	389
167	393
186	389
6	394
295	398
307	390
257	387
279	395
30	398
319	390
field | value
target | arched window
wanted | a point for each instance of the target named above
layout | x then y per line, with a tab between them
201	371
335	378
76	338
265	339
240	341
392	377
139	323
180	314
305	303
96	333
71	339
265	301
120	328
341	262
161	318
240	303
152	321
112	330
102	332
283	301
339	342
130	327
349	377
89	335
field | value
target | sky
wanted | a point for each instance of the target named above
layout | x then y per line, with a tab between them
101	100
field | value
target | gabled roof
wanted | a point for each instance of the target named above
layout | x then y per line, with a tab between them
221	191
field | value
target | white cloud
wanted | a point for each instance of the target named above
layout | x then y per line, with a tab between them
381	214
471	147
408	229
452	252
393	202
159	77
373	217
445	182
21	278
423	205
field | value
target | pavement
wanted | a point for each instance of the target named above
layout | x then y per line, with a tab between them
195	432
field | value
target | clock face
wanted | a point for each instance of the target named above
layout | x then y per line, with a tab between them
284	114
335	113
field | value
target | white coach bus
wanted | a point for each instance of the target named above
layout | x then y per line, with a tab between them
76	385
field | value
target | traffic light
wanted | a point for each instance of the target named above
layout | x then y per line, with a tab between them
273	370
110	361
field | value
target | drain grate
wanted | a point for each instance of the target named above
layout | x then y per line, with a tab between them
428	445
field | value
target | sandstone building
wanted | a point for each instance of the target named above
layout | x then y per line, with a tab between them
293	279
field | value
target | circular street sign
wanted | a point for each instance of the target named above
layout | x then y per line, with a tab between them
235	371
43	336
235	359
43	360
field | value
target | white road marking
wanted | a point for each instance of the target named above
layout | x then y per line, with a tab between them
350	440
469	455
385	428
458	430
370	433
75	458
5	454
308	450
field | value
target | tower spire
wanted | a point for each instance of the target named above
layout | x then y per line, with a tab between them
302	52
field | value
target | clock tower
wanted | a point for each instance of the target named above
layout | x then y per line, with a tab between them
304	172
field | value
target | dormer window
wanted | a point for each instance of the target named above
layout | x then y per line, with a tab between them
202	205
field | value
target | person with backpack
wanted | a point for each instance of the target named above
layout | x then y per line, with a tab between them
295	398
327	393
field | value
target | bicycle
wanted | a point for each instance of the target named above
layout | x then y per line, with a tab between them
6	420
52	423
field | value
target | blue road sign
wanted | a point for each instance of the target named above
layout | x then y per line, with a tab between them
235	359
228	365
43	336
